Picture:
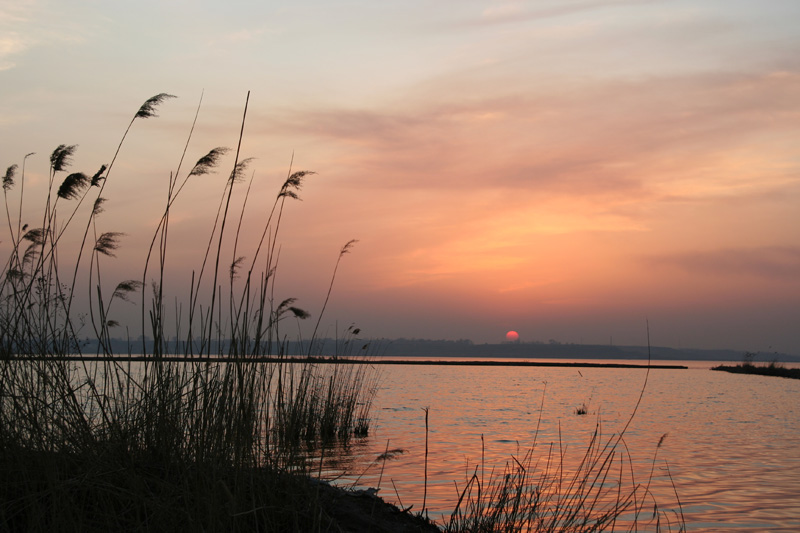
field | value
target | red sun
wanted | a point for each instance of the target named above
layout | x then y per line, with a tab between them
512	336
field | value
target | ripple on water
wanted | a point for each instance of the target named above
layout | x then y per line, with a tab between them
730	447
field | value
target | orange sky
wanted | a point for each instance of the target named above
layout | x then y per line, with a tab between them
565	169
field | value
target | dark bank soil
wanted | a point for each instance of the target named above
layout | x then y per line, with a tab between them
98	490
363	511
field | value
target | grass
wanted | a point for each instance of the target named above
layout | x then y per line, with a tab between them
166	445
220	440
537	492
540	491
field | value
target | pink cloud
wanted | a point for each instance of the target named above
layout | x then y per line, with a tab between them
776	263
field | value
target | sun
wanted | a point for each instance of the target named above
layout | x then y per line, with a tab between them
512	336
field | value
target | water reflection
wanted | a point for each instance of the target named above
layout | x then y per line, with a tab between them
730	447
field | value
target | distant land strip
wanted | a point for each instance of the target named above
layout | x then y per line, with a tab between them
766	370
339	360
461	349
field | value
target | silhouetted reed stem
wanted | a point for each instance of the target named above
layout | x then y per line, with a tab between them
425	482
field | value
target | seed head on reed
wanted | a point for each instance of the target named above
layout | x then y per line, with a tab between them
235	266
302	314
208	162
238	172
72	185
148	108
286	303
35	236
286	306
108	242
346	248
61	157
8	179
98	206
126	287
13	274
98	176
293	184
31	253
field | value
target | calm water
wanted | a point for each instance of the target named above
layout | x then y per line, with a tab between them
731	446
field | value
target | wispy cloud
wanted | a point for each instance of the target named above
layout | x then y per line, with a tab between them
13	37
27	24
10	45
509	11
658	136
780	263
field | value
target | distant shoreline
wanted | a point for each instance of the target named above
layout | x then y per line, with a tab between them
348	360
462	349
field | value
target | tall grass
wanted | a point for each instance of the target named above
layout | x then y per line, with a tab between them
203	434
117	444
541	492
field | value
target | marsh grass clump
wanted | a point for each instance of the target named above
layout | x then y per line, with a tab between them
539	491
773	368
217	426
542	490
199	433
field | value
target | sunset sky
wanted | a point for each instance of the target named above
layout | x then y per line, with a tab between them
568	169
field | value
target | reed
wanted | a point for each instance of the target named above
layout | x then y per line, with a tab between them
539	491
202	444
117	444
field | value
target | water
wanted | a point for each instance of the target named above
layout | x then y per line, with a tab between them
731	445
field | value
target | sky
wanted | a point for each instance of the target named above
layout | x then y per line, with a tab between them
574	170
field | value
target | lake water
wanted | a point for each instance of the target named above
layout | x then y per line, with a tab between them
732	445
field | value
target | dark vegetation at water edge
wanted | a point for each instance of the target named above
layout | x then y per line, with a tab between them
771	369
218	441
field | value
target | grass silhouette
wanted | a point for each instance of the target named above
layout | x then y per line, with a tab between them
157	444
200	433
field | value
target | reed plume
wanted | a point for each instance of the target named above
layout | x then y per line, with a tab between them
293	184
98	176
73	185
8	178
108	242
61	157
148	109
208	162
126	287
98	206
